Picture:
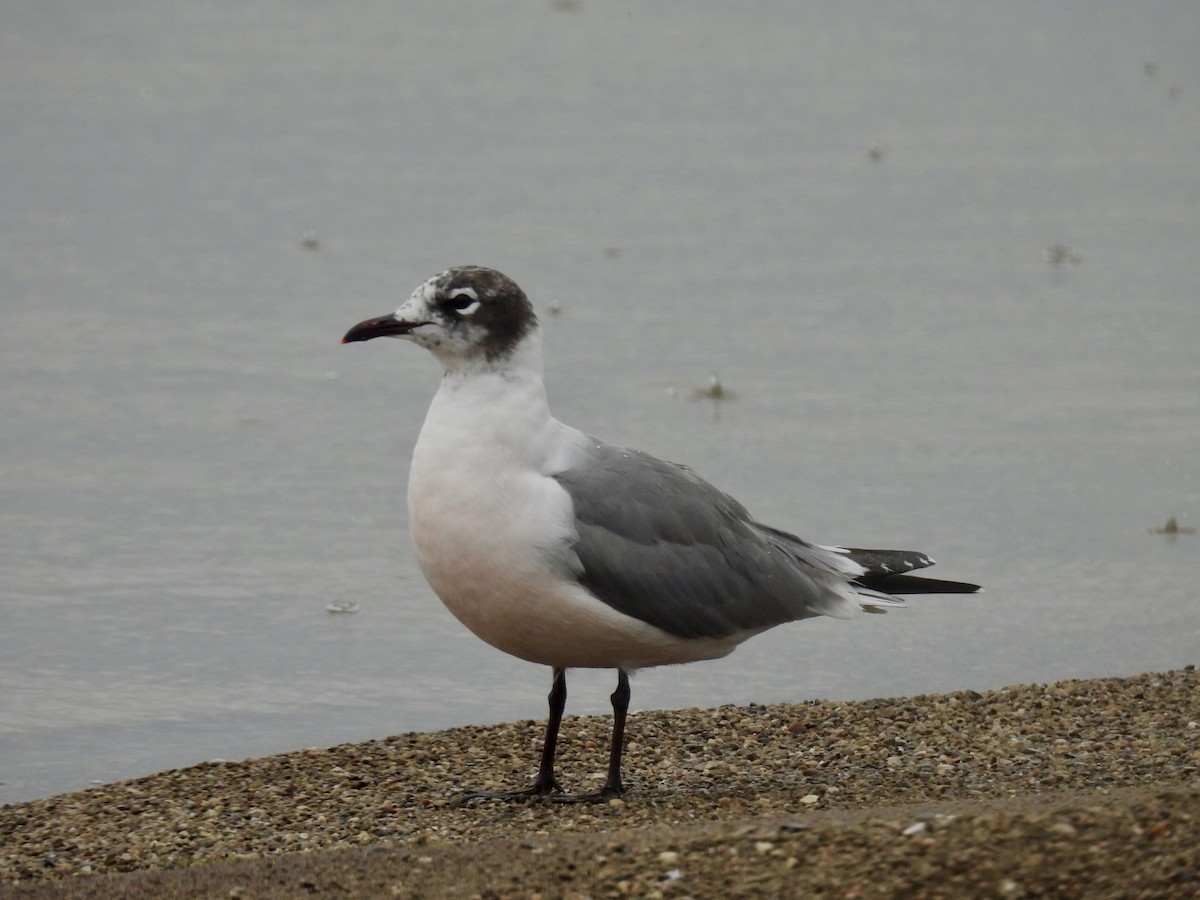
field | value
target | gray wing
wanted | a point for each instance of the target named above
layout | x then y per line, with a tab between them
660	544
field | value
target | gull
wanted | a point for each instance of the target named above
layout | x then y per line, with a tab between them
566	551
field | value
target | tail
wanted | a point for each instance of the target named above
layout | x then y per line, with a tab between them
871	580
887	572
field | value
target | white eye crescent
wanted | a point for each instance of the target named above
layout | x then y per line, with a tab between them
464	301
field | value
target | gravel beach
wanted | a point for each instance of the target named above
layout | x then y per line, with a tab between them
1074	789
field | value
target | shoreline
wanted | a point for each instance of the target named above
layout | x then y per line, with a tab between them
713	795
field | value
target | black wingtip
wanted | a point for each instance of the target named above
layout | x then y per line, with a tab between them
916	584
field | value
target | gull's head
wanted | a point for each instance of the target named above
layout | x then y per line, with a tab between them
465	316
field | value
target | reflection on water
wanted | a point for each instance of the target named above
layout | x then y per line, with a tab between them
944	266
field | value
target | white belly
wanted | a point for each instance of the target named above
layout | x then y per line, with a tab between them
490	562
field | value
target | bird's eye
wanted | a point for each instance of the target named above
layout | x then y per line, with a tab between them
463	304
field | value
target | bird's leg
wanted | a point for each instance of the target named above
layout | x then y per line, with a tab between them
612	784
620	705
545	783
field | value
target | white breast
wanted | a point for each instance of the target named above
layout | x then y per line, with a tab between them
492	532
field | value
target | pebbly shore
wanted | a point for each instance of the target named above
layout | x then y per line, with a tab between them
1078	788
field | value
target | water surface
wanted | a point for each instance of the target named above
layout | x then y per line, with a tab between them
842	209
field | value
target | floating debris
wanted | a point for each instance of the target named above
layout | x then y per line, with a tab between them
554	308
1060	255
342	608
1173	527
1151	69
308	240
714	390
875	154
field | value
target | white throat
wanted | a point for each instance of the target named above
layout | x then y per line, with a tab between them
488	417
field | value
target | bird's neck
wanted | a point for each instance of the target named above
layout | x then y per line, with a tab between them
496	406
522	361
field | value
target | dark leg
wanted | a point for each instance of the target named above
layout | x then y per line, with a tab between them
620	704
545	783
612	784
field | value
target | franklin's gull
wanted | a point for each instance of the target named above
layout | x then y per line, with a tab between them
563	550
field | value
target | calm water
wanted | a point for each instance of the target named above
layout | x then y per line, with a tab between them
192	468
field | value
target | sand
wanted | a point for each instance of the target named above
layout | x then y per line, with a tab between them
1074	789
